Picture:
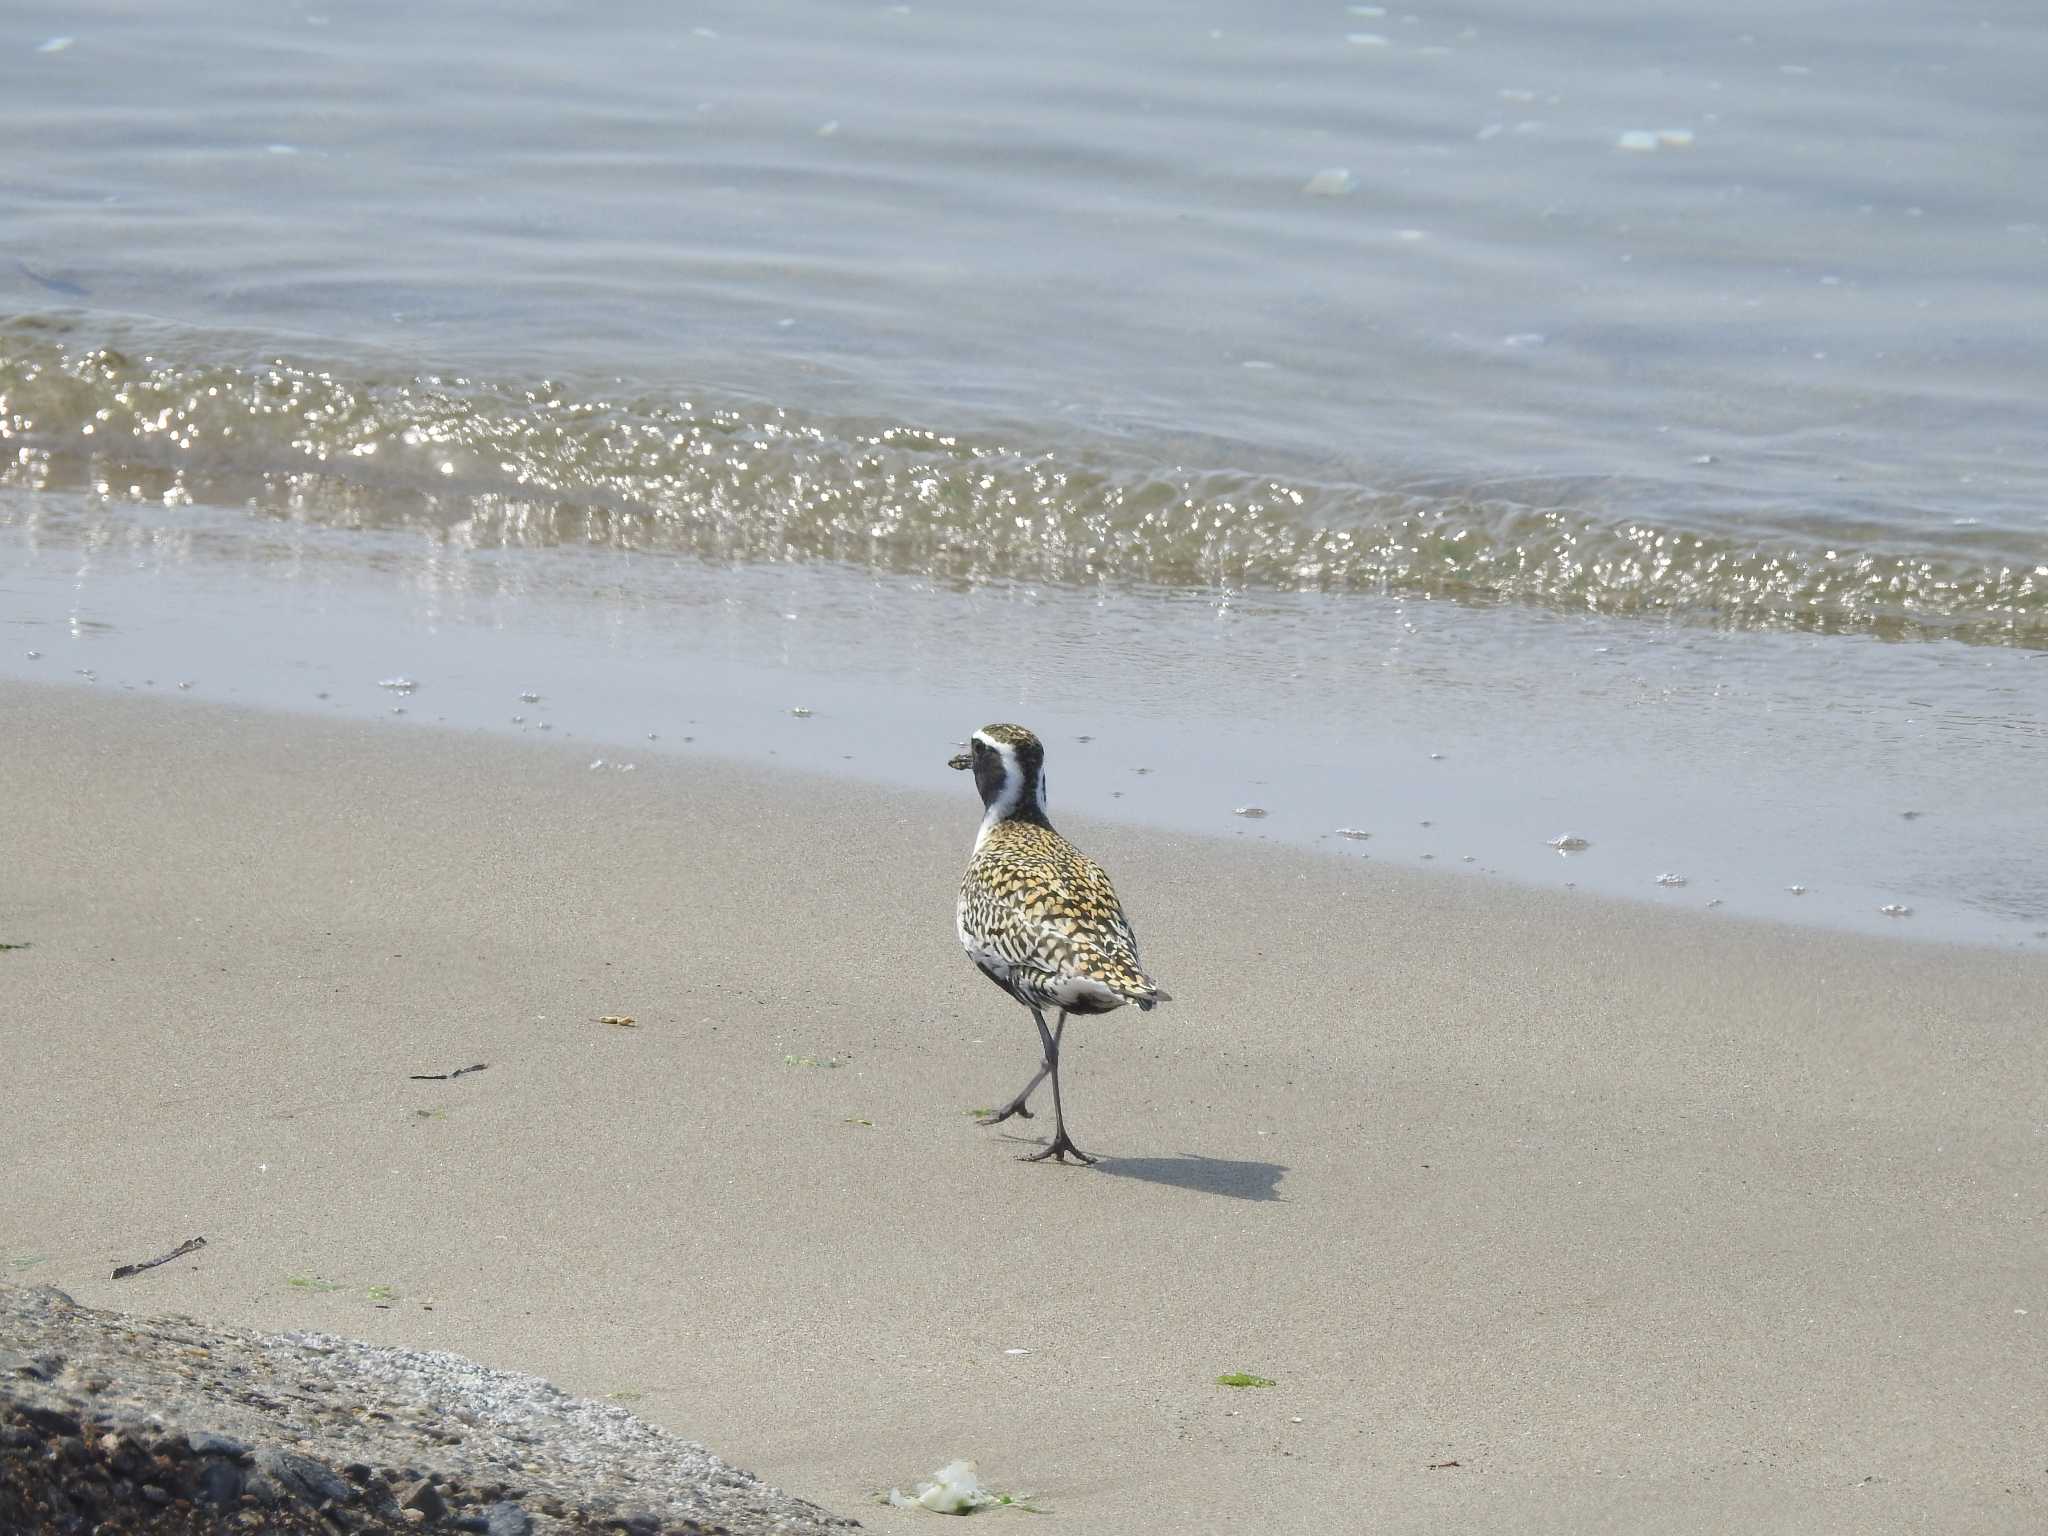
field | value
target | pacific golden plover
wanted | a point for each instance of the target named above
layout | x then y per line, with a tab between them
1038	916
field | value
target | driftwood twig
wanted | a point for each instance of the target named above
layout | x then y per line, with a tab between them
442	1077
179	1252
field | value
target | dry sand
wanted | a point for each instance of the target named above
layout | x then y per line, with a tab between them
1644	1221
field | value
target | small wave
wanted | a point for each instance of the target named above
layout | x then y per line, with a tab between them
491	464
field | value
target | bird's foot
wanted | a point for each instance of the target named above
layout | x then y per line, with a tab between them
1058	1152
1018	1105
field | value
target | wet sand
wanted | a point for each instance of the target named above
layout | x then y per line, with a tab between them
1542	1212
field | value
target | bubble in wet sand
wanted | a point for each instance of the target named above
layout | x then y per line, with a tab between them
1671	880
800	711
398	684
1893	909
1796	890
1569	843
1356	834
1250	810
529	697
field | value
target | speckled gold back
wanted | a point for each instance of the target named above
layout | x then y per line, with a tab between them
1044	922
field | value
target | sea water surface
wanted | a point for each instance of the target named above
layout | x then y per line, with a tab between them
1462	425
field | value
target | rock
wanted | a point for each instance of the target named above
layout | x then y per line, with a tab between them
424	1497
302	1477
44	1368
219	1482
52	1421
507	1520
204	1442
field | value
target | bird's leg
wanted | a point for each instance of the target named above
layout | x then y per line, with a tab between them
1061	1145
1016	1105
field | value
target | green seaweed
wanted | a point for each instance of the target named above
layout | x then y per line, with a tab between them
29	1260
22	945
814	1061
1023	1501
1245	1379
381	1293
314	1284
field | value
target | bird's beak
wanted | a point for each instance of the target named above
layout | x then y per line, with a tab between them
960	760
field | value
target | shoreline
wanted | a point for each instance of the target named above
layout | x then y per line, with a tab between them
1621	1210
1771	777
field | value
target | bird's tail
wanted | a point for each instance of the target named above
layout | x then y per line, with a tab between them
1151	997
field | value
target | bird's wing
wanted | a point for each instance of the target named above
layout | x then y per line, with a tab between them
1084	923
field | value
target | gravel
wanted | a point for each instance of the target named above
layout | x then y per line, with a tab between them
116	1425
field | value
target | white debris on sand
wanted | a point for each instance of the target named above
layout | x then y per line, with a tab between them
955	1489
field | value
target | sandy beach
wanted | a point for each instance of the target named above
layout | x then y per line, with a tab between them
1541	1212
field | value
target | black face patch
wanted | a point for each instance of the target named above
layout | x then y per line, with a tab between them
988	772
991	777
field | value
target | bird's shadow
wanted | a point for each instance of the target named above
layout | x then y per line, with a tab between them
1234	1178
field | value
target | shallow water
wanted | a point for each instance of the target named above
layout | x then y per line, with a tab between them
1644	412
1870	775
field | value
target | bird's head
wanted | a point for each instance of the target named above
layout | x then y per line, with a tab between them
1009	770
